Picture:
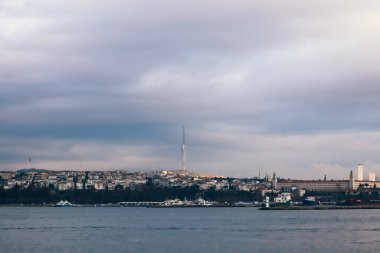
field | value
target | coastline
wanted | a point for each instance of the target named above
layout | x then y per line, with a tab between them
320	207
278	208
116	205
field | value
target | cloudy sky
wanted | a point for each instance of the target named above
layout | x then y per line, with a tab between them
285	86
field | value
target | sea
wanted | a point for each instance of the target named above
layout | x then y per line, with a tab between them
186	230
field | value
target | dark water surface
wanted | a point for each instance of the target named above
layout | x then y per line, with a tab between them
90	229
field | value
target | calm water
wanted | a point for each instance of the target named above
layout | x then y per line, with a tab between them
33	229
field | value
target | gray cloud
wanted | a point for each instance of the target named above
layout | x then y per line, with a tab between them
134	72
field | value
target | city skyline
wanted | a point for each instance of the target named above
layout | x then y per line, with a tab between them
260	86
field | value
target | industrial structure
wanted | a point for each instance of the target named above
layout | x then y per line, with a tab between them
370	182
360	172
329	185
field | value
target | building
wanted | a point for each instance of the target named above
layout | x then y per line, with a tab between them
315	185
332	185
362	183
360	172
371	176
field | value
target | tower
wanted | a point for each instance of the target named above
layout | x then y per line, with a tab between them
360	172
183	148
351	181
274	181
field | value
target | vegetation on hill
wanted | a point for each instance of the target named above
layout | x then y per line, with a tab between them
141	193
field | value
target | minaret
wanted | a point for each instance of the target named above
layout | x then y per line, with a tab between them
183	148
351	181
274	181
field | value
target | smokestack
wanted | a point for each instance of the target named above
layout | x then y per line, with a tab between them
360	172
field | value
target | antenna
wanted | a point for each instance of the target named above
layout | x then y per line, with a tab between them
183	149
183	138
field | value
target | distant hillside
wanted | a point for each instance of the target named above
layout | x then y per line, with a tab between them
32	170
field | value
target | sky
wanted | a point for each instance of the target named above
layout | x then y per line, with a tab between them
261	86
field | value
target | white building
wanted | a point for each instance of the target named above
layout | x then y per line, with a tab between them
360	172
371	176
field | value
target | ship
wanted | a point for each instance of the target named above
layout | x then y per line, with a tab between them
310	201
63	203
283	199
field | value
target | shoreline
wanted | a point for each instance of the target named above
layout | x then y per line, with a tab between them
320	207
108	205
278	208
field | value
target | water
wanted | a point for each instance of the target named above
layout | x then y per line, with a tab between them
185	230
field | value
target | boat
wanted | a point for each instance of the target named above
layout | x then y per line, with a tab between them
63	203
283	199
310	201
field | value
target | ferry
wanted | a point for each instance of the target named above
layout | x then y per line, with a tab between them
63	203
